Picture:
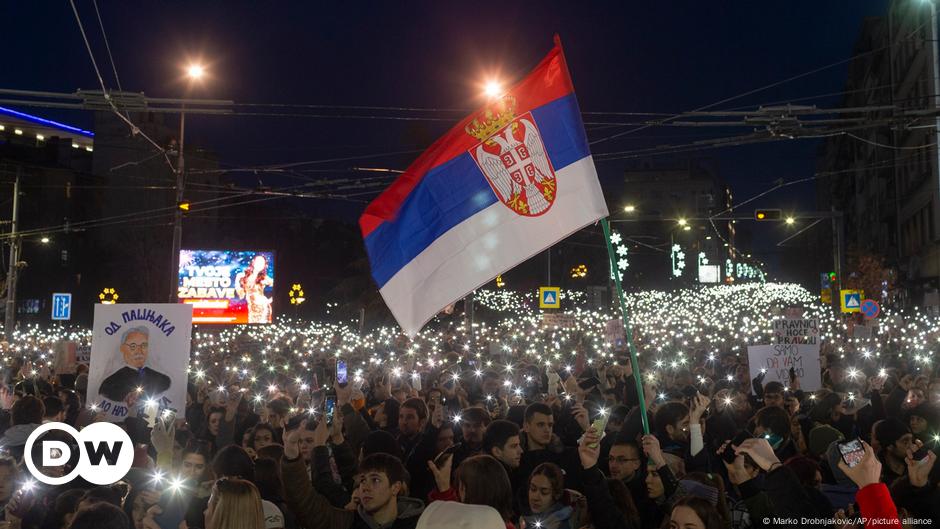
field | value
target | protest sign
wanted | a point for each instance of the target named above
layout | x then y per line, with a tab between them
558	319
615	334
139	355
789	331
777	359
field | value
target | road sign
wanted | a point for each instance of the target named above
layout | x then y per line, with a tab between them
870	309
61	306
549	297
851	300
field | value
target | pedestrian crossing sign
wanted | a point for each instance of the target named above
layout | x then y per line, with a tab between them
549	297
851	300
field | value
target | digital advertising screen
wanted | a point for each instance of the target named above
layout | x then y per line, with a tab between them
227	286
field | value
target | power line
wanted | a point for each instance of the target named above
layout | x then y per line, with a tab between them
760	89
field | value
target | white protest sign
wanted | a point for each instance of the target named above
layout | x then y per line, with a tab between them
559	320
789	331
777	359
139	354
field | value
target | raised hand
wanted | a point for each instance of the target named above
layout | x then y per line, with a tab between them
919	470
653	451
580	414
699	405
292	441
589	448
336	433
867	471
760	451
442	474
162	437
321	433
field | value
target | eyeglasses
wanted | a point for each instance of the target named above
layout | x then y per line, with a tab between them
135	346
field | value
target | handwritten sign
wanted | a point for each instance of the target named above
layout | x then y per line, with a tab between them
558	319
775	361
789	331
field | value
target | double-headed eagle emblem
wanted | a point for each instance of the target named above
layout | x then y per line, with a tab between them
512	157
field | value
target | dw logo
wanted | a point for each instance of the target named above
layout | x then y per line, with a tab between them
106	453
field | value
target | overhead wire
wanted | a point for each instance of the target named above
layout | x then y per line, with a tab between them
134	128
762	88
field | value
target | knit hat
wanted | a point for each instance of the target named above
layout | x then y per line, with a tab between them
455	515
820	437
888	431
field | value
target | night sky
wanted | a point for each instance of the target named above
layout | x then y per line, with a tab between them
623	57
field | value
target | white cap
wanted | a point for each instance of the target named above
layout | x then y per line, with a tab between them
455	515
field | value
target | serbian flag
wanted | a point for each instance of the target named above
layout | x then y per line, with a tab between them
504	184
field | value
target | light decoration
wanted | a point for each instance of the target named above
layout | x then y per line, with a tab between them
579	271
499	281
620	248
296	294
678	260
108	296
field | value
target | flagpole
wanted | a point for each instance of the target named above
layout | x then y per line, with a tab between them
626	326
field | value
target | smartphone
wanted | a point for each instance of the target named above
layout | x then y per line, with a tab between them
690	392
728	455
599	425
589	383
920	454
439	460
852	452
329	405
341	376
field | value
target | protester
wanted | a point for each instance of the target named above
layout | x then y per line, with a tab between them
518	436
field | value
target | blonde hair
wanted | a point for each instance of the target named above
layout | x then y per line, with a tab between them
237	505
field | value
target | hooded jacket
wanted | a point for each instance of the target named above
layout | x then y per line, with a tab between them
314	511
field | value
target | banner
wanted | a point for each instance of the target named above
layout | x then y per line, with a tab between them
558	319
139	355
790	330
776	360
226	286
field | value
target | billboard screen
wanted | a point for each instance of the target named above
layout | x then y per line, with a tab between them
709	273
227	286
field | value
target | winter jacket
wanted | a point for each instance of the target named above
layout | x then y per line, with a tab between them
314	511
875	505
600	503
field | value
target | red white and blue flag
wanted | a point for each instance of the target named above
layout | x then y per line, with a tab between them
504	184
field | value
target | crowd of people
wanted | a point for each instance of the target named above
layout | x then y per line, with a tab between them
512	424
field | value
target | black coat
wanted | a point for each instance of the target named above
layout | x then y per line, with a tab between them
127	379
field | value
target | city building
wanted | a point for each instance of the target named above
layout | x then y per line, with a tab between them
884	178
667	204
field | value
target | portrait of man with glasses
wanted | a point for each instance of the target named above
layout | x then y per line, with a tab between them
135	375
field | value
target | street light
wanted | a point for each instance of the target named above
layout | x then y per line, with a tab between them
194	72
683	222
629	208
44	240
790	220
492	89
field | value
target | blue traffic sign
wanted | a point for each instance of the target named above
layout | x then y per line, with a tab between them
61	306
870	308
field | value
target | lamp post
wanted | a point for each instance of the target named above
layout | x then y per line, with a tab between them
194	72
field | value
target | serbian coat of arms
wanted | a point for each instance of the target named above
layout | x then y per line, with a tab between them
512	157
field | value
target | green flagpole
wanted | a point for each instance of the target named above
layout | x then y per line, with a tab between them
626	326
